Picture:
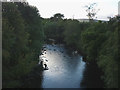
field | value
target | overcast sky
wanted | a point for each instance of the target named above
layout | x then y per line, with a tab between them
75	8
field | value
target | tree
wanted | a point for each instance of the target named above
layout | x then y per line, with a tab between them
108	55
15	41
92	39
34	27
54	27
72	32
91	11
22	41
57	16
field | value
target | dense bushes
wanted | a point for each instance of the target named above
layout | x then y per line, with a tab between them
98	42
54	27
23	36
22	39
92	39
108	54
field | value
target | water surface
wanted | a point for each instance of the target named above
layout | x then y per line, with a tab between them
65	68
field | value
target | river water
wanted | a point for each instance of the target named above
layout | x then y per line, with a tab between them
65	68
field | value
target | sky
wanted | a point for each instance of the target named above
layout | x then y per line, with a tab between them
75	8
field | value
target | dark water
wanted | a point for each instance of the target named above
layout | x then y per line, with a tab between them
92	77
65	68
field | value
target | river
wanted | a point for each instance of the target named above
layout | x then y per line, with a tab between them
65	68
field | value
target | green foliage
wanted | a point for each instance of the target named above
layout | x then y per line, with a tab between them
92	39
23	36
98	42
22	41
57	17
54	28
71	32
34	27
108	55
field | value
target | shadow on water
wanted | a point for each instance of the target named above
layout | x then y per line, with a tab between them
92	77
65	71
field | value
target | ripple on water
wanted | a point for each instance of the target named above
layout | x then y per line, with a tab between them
65	70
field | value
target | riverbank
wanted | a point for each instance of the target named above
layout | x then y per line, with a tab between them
54	54
92	77
33	79
92	73
65	69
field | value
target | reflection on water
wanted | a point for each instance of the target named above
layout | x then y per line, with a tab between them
65	68
92	77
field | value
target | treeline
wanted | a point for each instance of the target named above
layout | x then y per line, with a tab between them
100	43
96	41
22	40
24	31
54	27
